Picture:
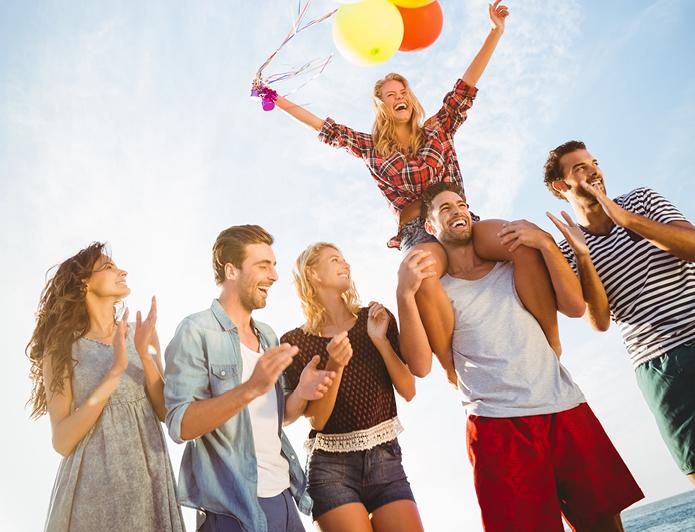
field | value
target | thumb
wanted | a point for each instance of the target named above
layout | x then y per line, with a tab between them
138	319
314	362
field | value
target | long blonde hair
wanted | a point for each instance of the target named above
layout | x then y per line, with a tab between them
314	311
384	130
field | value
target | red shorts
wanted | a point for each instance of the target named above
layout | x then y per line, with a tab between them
530	470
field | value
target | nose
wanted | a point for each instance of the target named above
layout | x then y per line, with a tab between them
123	273
273	274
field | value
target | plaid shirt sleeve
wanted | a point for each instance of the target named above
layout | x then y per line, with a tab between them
453	111
340	136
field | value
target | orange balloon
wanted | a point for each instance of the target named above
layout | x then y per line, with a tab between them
421	26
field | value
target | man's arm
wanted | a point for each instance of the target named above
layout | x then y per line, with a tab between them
676	237
568	290
597	309
313	385
191	413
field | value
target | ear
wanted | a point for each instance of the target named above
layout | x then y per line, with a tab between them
311	274
560	186
429	228
230	271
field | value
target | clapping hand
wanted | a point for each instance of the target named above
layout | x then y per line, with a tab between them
572	233
120	346
314	382
145	331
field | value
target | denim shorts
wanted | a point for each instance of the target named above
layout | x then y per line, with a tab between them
413	233
667	386
374	477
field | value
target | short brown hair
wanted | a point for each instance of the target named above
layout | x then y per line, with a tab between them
230	246
434	191
552	170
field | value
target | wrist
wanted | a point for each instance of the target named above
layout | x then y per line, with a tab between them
404	294
380	341
627	220
249	391
115	372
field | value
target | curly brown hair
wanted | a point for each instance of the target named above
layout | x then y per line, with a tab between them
552	170
61	319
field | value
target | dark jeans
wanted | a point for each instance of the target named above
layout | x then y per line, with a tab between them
280	511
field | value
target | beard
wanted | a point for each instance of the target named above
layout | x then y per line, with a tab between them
450	238
251	299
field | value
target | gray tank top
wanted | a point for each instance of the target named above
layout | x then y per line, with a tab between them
505	366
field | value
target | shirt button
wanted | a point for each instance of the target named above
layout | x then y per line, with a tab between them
223	373
291	457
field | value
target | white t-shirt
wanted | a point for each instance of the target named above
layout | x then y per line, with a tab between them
273	468
504	363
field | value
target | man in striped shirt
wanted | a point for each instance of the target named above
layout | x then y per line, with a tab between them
643	251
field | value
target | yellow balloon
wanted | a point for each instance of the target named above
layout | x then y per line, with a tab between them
369	32
411	3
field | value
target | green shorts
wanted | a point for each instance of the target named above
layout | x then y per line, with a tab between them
668	386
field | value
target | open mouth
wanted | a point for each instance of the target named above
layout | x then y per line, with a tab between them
400	106
459	224
264	290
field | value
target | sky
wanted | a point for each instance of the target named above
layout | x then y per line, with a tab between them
130	122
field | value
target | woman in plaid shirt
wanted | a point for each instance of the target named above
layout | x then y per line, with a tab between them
405	157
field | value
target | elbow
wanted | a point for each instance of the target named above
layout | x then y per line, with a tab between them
409	394
574	309
62	449
600	325
420	371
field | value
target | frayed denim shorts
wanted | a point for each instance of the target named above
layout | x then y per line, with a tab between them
374	477
413	233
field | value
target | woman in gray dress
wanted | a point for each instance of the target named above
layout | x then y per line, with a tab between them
103	392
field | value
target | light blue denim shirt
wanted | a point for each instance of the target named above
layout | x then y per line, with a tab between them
218	470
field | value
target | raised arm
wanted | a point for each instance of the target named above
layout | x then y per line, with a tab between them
597	309
676	237
383	333
498	14
568	290
339	354
299	113
68	428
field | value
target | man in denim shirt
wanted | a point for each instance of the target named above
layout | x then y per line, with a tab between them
224	396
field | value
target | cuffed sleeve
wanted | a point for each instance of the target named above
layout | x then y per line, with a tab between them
186	375
340	136
455	105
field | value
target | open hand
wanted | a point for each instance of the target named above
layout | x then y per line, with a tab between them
377	322
120	346
572	233
269	367
614	211
145	331
314	382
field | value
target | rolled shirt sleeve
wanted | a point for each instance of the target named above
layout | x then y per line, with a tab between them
340	136
454	108
186	374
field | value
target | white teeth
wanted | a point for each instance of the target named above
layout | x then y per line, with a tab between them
401	107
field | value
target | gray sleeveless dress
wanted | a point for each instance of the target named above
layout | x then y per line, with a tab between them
119	477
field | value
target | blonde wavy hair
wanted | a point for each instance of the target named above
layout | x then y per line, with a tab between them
384	130
314	311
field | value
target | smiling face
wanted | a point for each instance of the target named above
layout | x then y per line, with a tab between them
255	277
107	280
449	219
331	271
394	95
579	167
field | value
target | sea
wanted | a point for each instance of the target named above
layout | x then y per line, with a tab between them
674	514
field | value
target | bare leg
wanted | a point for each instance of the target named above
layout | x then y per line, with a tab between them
612	523
397	516
531	277
351	517
436	312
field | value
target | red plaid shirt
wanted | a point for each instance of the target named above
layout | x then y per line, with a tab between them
403	179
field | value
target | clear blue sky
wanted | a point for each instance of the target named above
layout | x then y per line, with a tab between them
130	122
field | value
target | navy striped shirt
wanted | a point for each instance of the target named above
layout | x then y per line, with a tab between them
651	293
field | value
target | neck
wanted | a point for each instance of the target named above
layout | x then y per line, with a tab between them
463	260
403	134
235	310
101	316
336	309
591	215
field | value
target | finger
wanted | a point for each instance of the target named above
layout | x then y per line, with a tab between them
152	315
507	228
124	320
515	245
322	388
138	319
561	227
314	362
508	239
569	219
591	190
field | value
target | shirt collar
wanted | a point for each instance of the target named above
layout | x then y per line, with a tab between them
226	323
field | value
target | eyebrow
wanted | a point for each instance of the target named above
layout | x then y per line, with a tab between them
582	163
266	261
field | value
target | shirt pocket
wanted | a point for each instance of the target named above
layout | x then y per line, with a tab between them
223	377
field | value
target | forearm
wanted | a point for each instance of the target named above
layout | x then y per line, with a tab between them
319	411
299	113
481	60
415	347
597	309
402	379
69	431
568	289
154	385
206	415
295	406
678	239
